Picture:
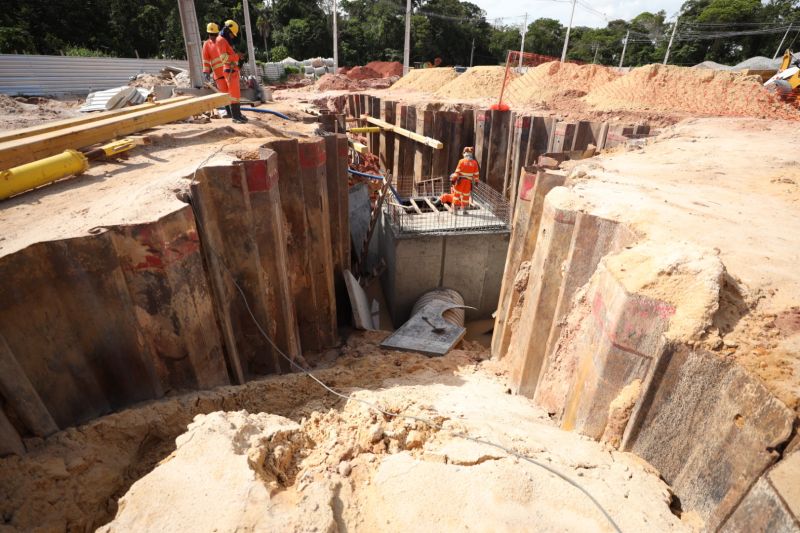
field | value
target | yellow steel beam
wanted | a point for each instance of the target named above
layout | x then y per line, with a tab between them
427	141
91	117
31	175
20	151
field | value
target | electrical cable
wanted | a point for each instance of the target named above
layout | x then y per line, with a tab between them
375	407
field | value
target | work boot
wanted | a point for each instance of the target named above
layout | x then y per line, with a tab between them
228	112
237	114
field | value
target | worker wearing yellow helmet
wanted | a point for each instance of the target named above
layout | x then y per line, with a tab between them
230	67
212	62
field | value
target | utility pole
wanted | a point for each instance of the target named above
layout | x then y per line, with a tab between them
407	45
778	51
522	44
251	51
624	47
472	52
191	39
569	29
596	47
671	38
335	37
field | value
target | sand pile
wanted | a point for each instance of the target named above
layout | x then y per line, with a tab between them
545	83
386	69
426	79
336	82
697	91
476	82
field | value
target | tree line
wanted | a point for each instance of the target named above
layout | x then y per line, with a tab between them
452	30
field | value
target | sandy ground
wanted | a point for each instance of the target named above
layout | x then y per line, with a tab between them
334	463
732	187
353	469
21	112
142	187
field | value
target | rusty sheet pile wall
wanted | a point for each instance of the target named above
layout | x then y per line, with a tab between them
96	323
600	356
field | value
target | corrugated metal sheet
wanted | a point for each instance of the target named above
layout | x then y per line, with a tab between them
60	75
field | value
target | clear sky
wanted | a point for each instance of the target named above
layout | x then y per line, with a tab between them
512	11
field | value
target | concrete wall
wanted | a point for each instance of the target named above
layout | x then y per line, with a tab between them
470	263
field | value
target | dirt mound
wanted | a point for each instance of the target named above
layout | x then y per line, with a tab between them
9	105
548	81
363	73
336	82
668	88
426	79
386	69
476	82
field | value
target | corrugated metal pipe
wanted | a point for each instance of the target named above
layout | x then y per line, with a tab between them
454	316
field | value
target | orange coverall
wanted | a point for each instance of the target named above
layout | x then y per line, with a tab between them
212	62
466	172
230	67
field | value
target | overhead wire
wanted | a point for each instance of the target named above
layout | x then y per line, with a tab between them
371	405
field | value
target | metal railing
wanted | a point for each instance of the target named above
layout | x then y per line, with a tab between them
425	213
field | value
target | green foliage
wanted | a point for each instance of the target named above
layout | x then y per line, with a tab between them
79	51
279	53
545	36
292	70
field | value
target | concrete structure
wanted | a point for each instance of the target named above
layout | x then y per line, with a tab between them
470	262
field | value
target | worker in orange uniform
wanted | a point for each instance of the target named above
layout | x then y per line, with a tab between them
461	181
230	67
212	63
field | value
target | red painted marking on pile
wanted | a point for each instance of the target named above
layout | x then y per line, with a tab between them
259	179
161	254
311	154
645	309
526	187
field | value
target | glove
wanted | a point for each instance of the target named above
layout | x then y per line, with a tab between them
207	77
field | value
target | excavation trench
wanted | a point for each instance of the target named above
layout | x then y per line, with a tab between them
212	307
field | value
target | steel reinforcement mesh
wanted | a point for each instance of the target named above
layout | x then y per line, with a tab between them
424	213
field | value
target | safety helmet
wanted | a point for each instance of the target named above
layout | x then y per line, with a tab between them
212	28
230	24
469	150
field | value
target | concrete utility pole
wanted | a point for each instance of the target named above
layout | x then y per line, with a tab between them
335	37
569	29
251	51
522	44
624	47
778	51
671	38
407	45
472	52
191	38
596	50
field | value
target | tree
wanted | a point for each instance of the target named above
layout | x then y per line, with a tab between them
263	26
545	36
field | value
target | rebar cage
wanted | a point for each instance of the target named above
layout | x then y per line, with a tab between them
423	212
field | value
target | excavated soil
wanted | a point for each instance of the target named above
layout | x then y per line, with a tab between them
426	79
295	457
352	468
549	83
476	82
667	88
21	112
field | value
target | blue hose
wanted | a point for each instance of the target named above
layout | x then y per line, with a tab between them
270	111
374	177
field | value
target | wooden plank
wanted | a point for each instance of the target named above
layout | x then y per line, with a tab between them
433	143
84	119
430	204
359	147
20	151
415	206
423	157
362	312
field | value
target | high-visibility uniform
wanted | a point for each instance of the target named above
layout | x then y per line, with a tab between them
212	62
230	67
466	173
